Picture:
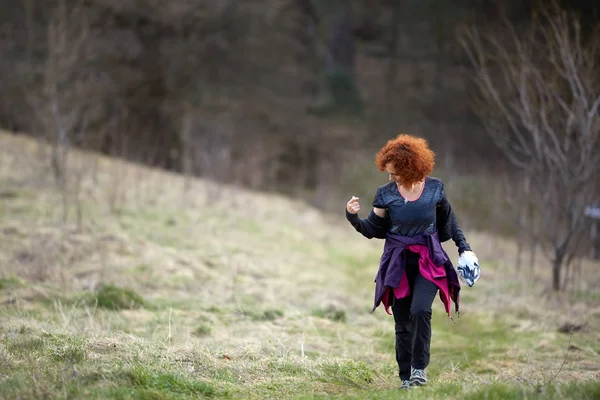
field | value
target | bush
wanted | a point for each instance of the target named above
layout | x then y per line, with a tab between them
116	298
331	313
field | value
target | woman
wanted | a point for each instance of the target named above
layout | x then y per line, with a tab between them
414	217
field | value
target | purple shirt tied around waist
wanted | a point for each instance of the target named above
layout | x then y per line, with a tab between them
435	266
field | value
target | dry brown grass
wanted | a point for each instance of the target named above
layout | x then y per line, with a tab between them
236	284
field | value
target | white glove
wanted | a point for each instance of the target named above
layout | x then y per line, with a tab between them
468	268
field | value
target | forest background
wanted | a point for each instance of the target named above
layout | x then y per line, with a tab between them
296	97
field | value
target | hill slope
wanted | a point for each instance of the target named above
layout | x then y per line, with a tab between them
169	289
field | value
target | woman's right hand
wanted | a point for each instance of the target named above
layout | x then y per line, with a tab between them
353	206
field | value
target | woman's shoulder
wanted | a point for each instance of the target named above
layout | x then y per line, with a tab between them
385	195
433	181
387	187
435	188
389	190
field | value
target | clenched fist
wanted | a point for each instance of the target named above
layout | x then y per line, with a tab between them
353	206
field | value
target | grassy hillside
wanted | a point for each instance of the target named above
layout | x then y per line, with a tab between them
170	290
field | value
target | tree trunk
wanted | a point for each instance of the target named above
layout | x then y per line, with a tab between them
556	270
340	65
533	218
532	256
389	90
186	151
518	256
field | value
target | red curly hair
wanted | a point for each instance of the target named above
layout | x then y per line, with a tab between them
411	157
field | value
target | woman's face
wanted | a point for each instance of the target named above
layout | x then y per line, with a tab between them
392	171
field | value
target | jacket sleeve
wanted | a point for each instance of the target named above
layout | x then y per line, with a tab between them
373	226
447	225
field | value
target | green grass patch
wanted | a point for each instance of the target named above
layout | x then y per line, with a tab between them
23	346
224	375
463	344
466	391
54	347
10	283
352	373
592	297
505	391
287	368
66	348
340	255
141	268
51	380
332	313
8	194
385	339
167	385
265	315
115	298
248	226
202	331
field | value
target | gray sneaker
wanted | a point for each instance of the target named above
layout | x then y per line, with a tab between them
418	377
405	384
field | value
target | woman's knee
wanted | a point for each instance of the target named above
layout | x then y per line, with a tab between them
420	313
402	326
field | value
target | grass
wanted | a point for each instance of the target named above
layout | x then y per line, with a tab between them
493	391
163	293
331	313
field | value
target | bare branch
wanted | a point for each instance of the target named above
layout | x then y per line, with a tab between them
539	101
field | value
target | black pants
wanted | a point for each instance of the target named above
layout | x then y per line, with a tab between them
412	316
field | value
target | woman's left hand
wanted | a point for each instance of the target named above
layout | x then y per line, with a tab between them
468	268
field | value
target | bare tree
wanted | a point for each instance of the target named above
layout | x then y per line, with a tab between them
67	102
538	97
